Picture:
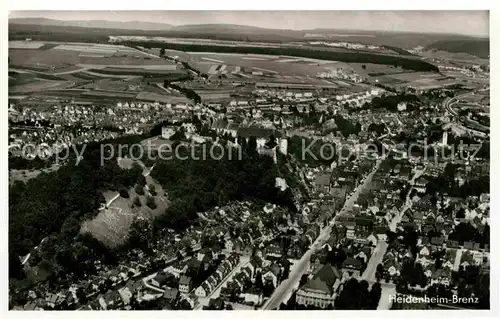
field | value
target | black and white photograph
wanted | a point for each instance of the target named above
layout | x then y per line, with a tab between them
248	160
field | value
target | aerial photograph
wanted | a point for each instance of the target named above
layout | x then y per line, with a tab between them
248	160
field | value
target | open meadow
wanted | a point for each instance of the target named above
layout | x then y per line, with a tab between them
228	63
111	225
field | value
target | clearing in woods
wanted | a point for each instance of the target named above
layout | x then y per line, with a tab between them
111	226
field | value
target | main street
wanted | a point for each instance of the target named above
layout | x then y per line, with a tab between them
381	248
285	289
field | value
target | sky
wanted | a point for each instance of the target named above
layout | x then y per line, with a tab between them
474	23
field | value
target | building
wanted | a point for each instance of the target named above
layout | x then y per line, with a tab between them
185	284
167	132
321	290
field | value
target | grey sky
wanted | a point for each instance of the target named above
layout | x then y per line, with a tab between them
459	22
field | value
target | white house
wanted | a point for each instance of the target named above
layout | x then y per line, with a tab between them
254	296
167	132
202	291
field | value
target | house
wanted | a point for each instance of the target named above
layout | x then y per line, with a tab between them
471	245
247	271
203	290
372	239
392	268
112	299
171	294
452	244
320	290
322	182
185	284
215	304
424	251
228	292
467	259
274	251
437	242
255	264
229	245
254	296
202	252
168	131
364	222
352	266
159	280
381	232
271	274
213	280
125	294
441	276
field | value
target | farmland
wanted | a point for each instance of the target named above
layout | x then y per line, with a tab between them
417	80
348	57
100	72
256	68
87	56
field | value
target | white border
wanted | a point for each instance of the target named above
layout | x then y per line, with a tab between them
265	5
252	5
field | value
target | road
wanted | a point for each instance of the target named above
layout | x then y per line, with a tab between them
471	124
285	288
388	291
381	248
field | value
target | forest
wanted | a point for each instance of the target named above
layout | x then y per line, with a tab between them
53	205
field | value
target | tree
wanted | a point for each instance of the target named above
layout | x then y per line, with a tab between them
152	189
70	227
258	280
81	296
303	280
137	201
150	202
139	189
15	267
140	233
124	193
374	296
141	180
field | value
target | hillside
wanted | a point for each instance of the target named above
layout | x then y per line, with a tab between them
477	47
49	29
99	24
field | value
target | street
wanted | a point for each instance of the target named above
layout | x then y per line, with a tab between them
381	248
285	289
470	124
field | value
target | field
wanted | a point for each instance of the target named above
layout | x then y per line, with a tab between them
418	80
371	69
479	98
227	63
259	68
26	175
476	47
102	72
85	56
151	97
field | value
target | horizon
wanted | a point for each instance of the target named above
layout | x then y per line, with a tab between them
435	21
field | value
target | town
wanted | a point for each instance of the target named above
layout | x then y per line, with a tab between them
359	184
